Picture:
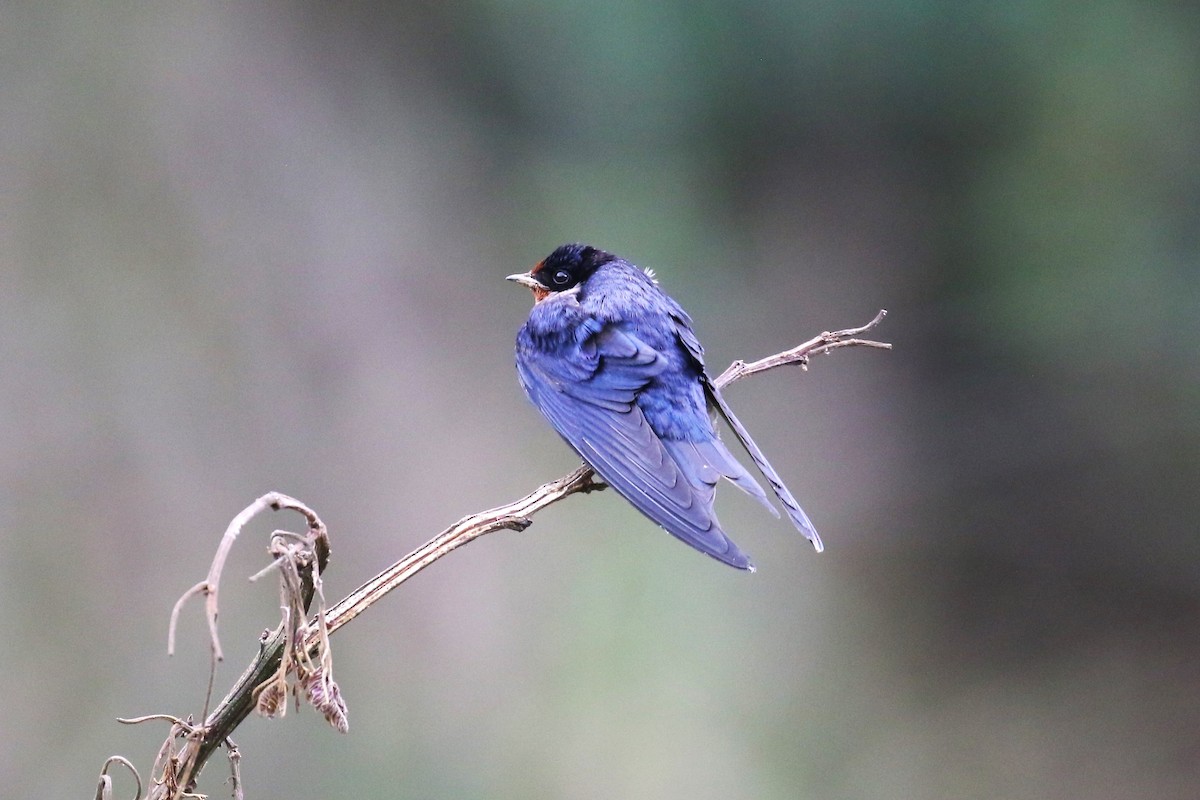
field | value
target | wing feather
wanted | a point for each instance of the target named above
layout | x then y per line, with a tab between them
688	338
589	395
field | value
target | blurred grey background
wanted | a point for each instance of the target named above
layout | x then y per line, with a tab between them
247	247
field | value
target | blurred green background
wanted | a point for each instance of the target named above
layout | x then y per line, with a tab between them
261	246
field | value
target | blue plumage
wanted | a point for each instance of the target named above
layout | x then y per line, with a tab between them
612	362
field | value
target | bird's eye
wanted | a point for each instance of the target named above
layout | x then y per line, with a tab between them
562	277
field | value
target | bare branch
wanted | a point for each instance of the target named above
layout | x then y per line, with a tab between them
514	516
823	343
301	648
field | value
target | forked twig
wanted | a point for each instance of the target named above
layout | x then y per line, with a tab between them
824	343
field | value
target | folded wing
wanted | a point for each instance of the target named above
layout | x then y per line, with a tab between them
688	338
589	395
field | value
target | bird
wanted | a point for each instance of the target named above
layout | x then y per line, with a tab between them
612	362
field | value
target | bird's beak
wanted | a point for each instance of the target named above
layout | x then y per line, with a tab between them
527	280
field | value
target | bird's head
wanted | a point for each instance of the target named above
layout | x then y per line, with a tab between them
563	270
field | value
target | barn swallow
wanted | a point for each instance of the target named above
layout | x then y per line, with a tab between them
614	365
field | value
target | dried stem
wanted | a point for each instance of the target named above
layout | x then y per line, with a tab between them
199	742
104	790
175	771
